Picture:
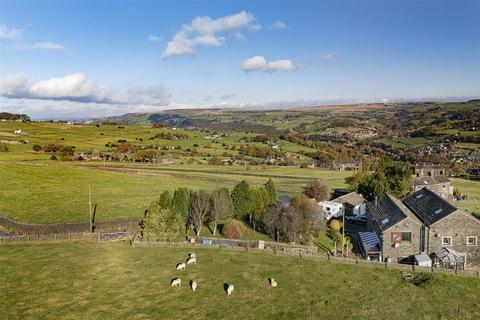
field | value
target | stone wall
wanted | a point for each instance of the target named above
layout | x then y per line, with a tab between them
458	225
405	248
17	227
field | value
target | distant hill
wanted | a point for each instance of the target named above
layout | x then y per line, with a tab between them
13	116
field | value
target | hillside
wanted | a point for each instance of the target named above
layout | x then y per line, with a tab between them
114	281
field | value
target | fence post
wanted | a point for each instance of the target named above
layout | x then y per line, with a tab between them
54	236
29	238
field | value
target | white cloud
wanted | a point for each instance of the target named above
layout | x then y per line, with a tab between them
47	45
10	33
259	63
153	38
77	88
328	56
256	27
209	40
205	31
278	25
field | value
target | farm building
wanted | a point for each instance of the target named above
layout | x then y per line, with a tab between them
399	230
438	184
446	226
354	204
347	165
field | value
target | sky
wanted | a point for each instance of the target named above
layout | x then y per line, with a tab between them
61	59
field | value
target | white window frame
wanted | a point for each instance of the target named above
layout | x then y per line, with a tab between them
447	245
472	245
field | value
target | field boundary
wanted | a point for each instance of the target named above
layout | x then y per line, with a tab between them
25	228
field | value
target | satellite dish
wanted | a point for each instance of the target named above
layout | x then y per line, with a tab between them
397	245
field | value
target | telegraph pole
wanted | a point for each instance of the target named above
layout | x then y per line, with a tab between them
343	227
90	206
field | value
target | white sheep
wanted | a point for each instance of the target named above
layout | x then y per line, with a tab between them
181	266
230	289
176	282
273	283
193	285
192	261
192	255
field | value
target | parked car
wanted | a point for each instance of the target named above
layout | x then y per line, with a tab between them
357	219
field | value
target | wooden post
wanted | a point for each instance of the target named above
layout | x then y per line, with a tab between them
90	207
343	228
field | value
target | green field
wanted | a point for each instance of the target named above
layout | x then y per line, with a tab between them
78	280
57	192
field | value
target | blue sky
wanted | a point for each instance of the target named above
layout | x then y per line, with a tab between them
90	58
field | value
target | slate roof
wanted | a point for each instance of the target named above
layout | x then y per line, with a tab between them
285	199
428	206
387	211
352	198
426	181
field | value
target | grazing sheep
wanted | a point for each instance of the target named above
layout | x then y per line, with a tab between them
192	255
273	283
229	289
181	266
193	285
176	282
192	261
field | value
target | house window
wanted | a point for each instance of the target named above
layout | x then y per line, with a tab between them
446	241
406	237
471	241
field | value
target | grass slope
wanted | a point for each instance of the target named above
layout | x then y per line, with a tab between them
112	281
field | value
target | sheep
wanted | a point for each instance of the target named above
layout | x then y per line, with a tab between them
273	283
181	266
229	289
192	261
176	282
193	285
192	255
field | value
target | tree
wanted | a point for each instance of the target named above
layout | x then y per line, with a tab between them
389	177
302	212
181	202
318	190
242	200
199	209
277	223
272	193
165	200
220	207
260	203
161	223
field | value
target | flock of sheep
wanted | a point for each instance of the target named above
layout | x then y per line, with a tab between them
192	259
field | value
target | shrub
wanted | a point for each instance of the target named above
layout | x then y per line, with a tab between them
234	229
3	147
37	148
335	225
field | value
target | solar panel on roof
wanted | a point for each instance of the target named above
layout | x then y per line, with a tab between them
385	221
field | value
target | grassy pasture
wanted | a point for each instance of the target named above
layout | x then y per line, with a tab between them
42	193
78	280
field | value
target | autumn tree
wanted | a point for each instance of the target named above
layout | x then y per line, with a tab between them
199	208
318	190
302	211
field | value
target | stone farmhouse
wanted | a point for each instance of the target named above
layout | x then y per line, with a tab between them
446	226
424	223
347	165
434	179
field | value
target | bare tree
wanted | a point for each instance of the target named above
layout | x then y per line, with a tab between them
199	209
220	207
